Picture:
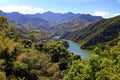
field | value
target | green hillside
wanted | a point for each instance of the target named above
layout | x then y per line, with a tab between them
104	32
24	58
36	35
66	27
75	24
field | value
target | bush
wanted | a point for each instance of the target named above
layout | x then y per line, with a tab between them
2	76
63	64
27	43
20	69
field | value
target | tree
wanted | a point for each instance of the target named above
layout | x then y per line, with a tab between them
2	76
3	23
39	46
27	43
78	71
63	64
76	57
20	70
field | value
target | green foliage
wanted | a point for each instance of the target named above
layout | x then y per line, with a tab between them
2	76
52	70
2	62
56	49
23	59
20	69
76	57
12	33
35	35
78	71
27	43
105	65
31	63
97	50
39	46
63	64
3	23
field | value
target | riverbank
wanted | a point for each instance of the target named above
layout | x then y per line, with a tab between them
74	47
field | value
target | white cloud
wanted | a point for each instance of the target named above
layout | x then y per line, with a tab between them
116	14
2	1
100	13
22	9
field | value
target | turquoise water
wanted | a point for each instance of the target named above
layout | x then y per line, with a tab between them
75	48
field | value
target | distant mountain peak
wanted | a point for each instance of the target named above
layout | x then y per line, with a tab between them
69	13
49	12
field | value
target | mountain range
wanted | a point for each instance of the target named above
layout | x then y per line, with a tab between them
54	23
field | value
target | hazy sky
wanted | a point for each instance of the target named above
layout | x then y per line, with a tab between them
105	8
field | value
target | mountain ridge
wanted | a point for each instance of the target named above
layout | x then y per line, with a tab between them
50	21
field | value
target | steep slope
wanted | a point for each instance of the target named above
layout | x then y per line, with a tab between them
104	32
78	23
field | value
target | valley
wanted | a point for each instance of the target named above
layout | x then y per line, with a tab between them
59	46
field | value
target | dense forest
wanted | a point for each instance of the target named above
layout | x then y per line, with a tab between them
103	65
24	57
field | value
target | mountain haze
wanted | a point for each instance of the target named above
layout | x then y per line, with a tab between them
25	20
55	23
56	17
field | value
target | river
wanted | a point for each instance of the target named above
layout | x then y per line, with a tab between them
75	48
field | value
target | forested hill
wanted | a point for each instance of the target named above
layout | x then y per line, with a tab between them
104	32
80	22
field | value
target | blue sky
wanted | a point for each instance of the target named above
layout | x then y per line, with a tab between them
104	8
